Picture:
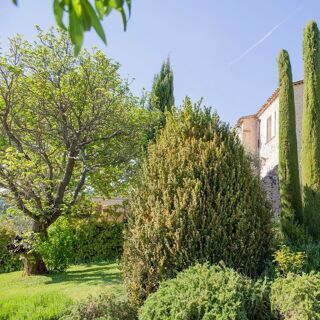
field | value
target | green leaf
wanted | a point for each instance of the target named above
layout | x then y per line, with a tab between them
95	22
100	8
76	30
15	2
119	6
86	21
115	4
124	18
58	13
76	4
107	10
129	6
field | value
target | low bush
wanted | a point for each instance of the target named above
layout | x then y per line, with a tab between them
311	250
48	306
296	297
8	262
289	261
103	307
58	251
204	292
299	255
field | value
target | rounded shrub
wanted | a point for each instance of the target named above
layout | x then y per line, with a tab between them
296	297
202	292
57	249
8	261
196	200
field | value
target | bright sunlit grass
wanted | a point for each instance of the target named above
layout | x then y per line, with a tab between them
45	297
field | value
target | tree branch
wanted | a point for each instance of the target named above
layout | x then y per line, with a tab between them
113	135
21	205
64	183
80	184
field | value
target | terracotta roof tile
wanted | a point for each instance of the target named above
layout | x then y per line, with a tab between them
270	100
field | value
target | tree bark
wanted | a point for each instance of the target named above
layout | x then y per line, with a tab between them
33	263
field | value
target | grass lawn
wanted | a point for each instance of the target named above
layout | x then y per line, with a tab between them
31	297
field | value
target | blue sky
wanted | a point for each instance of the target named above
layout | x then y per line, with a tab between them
203	39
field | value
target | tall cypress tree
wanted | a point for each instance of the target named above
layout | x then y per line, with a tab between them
310	156
162	96
290	193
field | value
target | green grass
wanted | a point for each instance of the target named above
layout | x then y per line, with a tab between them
38	306
44	297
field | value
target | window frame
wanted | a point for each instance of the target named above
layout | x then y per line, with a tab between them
274	123
269	128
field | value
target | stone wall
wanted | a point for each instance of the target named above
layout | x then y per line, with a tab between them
270	183
252	131
268	150
249	134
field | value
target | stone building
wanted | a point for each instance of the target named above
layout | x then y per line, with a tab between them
259	134
113	209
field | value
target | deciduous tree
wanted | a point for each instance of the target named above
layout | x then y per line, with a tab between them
66	122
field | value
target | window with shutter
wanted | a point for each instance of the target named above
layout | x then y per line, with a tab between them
269	129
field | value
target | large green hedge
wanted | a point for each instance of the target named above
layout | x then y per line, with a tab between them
69	242
98	241
81	241
197	200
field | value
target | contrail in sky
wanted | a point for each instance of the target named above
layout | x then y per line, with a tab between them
268	34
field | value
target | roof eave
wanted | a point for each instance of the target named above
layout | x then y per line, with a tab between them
266	105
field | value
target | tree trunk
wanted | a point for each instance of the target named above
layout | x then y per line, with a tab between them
33	263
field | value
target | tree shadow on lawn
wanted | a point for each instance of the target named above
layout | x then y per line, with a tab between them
104	274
